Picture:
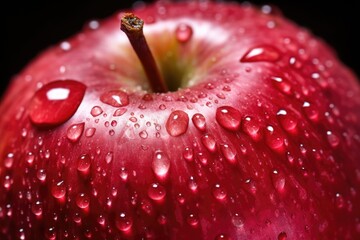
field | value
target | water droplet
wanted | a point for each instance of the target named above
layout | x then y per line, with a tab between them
93	24
119	112
251	127
123	222
209	142
237	221
192	220
222	237
37	208
29	158
218	192
228	152
160	164
109	157
96	111
310	111
278	180
56	102
282	236
228	117
156	192
274	139
183	33
65	46
333	140
89	132
41	175
287	121
124	174
177	123
199	121
116	98
83	164
262	53
281	84
9	160
188	154
192	184
58	190
143	134
75	131
82	200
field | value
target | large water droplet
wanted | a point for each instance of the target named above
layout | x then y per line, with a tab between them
262	53
123	222
183	33
199	121
75	131
156	192
228	117
56	102
116	98
251	127
209	142
160	164
82	200
177	123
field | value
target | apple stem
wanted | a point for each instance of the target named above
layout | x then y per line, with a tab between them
132	26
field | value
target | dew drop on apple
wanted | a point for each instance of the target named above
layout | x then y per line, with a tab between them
160	164
82	200
109	157
188	154
177	123
218	192
332	139
123	222
222	237
287	121
115	98
192	184
251	127
281	84
119	112
192	220
93	24
89	132
156	192
199	121
310	111
41	175
37	208
143	134
124	174
183	32
237	220
278	180
50	233
83	164
58	190
7	182
9	160
56	102
29	158
274	139
101	220
228	117
75	131
228	152
265	53
96	111
282	236
209	142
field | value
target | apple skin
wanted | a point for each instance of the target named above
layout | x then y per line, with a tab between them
261	142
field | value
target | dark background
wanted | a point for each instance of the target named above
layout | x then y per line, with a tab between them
30	26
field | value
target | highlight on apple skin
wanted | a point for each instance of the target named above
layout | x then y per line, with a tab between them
253	133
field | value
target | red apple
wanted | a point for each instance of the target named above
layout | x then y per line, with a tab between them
232	123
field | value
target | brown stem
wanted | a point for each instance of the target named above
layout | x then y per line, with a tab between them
132	26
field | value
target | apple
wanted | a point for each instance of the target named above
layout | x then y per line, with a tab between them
190	120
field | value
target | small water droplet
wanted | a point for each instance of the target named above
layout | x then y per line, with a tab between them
75	131
65	46
222	237
274	139
83	164
143	134
177	123
37	208
96	111
58	190
251	127
160	164
278	180
89	132
228	152
109	157
116	98
310	111
119	112
82	200
156	192
183	32
281	84
188	154
218	192
228	117
209	142
41	175
282	236
237	221
56	102
124	174
9	160
192	220
333	140
123	222
94	24
262	53
287	121
199	121
192	184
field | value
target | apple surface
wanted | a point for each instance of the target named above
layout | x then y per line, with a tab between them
221	121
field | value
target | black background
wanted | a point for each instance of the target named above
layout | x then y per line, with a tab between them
30	26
